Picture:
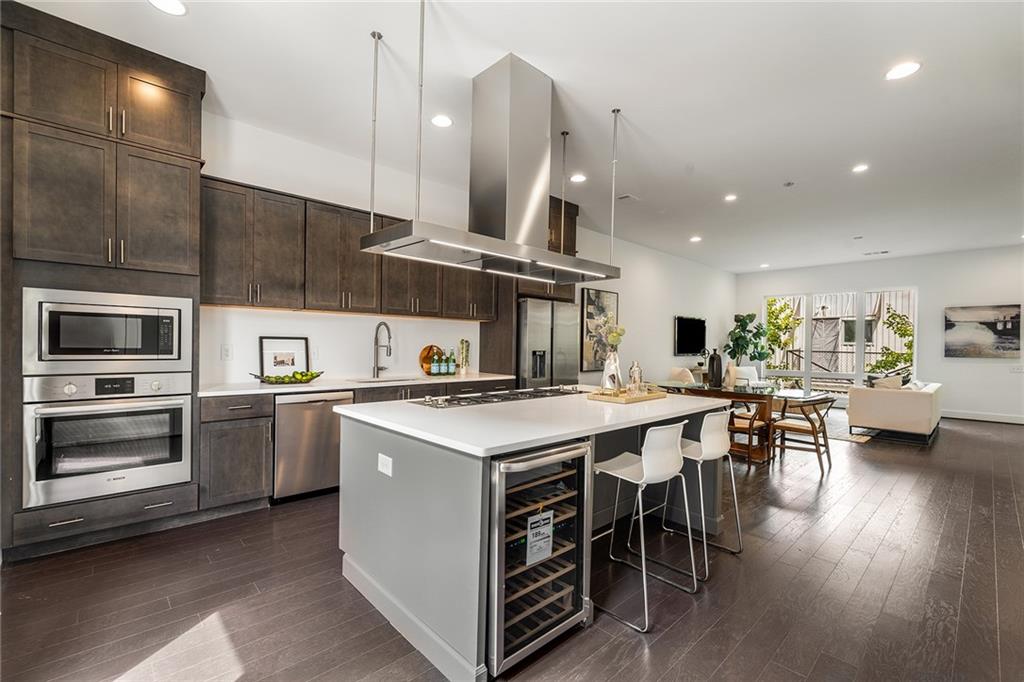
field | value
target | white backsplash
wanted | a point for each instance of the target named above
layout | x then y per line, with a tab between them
339	344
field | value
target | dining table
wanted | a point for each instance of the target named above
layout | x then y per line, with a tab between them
761	399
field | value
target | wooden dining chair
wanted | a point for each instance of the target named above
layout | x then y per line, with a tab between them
803	419
757	431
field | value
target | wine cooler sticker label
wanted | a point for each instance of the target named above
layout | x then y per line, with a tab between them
538	534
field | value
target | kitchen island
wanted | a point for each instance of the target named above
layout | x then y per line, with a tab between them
425	492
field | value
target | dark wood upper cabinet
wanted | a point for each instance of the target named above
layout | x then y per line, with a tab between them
425	280
157	212
455	287
63	86
468	294
278	250
483	295
396	286
64	195
555	227
338	275
158	114
226	276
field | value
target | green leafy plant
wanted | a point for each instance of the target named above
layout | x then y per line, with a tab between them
781	323
900	325
607	332
747	339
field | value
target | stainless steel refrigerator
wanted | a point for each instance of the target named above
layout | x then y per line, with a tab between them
549	343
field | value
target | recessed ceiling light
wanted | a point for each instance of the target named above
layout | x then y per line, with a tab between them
764	265
897	72
441	121
860	168
577	177
730	197
174	7
695	238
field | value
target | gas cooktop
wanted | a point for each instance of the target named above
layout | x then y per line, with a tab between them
447	401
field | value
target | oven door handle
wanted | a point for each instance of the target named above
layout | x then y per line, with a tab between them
134	406
540	459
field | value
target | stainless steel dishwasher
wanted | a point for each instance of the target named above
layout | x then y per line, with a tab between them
307	442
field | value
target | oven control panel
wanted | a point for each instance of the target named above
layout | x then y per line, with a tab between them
86	387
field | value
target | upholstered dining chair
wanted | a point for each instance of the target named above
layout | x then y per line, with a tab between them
806	419
681	374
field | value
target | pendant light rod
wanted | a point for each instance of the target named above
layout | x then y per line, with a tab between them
565	136
615	161
376	35
419	111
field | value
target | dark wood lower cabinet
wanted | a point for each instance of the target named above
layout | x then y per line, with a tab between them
378	394
235	461
51	523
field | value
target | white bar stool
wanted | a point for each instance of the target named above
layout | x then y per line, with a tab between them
714	445
660	461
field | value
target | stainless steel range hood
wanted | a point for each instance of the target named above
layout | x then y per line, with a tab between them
509	185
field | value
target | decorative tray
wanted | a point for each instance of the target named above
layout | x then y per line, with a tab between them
285	379
623	398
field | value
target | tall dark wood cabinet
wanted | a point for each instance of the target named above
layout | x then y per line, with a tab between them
338	275
278	250
226	272
253	246
64	86
64	191
157	211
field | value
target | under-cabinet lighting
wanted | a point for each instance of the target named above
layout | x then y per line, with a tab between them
565	267
476	250
516	274
395	254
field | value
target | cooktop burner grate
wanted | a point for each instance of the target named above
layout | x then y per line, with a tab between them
443	402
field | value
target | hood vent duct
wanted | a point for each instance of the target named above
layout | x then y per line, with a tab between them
509	188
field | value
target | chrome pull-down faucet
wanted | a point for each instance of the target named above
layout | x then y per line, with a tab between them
377	346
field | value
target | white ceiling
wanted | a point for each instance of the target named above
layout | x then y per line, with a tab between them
716	98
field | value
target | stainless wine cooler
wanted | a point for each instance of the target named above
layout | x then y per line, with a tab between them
540	550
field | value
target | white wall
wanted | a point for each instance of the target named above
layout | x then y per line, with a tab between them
340	342
972	388
655	287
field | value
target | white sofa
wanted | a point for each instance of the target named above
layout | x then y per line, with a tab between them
895	409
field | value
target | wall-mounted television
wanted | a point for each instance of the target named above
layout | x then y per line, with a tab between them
690	335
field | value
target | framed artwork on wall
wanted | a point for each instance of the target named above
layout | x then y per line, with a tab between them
281	355
594	304
983	331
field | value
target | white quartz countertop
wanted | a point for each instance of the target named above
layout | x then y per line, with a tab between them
500	428
328	383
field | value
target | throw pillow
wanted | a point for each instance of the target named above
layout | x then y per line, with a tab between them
888	382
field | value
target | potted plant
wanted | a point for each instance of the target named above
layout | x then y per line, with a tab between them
747	339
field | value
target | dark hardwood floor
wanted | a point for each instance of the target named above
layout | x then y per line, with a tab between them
901	563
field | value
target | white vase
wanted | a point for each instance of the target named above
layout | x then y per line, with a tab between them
611	376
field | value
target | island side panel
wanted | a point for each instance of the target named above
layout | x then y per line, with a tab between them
420	536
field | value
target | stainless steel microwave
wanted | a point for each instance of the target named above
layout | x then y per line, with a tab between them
91	332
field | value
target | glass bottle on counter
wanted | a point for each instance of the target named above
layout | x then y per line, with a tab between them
451	361
435	362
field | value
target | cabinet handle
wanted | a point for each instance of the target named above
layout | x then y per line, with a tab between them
110	250
250	292
157	505
66	522
417	304
270	438
239	407
122	251
259	292
124	116
110	119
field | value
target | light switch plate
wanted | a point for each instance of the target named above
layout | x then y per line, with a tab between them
384	464
227	352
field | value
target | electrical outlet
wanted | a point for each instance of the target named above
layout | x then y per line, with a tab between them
384	464
227	352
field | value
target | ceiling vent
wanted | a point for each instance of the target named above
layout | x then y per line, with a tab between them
628	198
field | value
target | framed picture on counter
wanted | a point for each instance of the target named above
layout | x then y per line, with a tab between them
281	355
595	304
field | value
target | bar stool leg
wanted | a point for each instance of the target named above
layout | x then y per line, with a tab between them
643	558
692	573
703	519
